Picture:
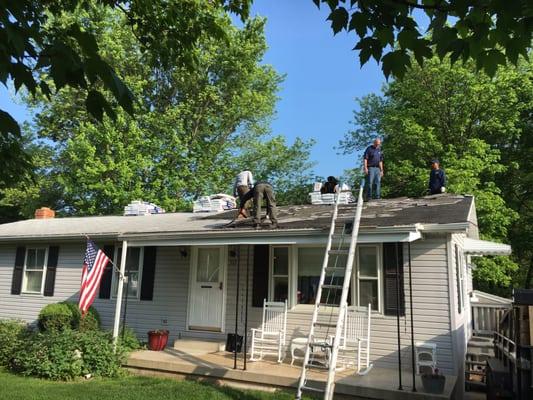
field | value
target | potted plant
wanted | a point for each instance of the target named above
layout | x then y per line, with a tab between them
433	382
157	339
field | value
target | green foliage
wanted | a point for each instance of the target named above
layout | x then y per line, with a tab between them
197	128
127	340
55	317
91	320
67	355
12	336
488	33
495	275
50	355
480	129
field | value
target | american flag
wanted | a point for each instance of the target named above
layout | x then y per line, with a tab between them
93	267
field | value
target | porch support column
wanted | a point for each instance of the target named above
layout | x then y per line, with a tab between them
118	305
398	318
413	367
246	305
238	253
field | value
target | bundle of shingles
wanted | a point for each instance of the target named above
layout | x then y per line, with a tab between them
214	203
346	197
139	207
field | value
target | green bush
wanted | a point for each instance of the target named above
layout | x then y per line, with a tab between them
128	340
90	322
51	354
55	317
67	354
12	335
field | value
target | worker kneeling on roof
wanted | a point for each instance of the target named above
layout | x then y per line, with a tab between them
262	189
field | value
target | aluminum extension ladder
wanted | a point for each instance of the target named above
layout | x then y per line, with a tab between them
328	273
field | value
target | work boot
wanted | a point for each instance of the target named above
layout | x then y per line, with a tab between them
257	227
274	225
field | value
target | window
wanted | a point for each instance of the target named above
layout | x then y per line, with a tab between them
133	271
279	282
460	279
368	276
34	270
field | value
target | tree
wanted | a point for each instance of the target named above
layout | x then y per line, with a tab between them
192	125
479	127
488	32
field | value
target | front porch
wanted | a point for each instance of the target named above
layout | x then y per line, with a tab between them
217	366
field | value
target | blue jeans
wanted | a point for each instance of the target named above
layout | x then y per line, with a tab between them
374	177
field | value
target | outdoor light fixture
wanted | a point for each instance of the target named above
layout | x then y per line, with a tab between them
183	252
232	253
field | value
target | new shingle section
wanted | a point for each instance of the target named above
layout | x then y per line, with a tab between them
439	209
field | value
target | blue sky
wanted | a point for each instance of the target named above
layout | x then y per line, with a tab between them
323	78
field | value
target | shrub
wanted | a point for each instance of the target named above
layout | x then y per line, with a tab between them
67	354
12	334
55	317
90	322
128	340
50	355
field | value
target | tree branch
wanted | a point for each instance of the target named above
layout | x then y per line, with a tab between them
414	4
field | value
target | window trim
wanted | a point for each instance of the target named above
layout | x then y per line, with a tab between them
271	275
114	282
24	270
356	276
460	279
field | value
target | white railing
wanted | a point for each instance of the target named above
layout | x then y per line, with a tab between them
486	317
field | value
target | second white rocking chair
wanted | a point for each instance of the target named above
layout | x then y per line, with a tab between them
270	338
356	338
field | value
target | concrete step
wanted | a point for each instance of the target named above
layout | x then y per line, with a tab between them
199	346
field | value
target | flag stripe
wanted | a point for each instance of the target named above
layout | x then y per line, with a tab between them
93	268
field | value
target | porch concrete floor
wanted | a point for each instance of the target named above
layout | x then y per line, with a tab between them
379	383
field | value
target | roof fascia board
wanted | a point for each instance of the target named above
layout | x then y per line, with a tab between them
449	228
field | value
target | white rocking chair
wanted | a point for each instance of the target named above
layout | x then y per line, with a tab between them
356	338
270	338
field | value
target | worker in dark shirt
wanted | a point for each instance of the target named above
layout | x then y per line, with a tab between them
437	178
330	186
262	189
373	168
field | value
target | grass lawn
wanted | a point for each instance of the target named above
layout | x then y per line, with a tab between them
13	387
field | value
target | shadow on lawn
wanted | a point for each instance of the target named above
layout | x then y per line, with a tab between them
239	394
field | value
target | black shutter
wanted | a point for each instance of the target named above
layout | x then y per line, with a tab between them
260	275
148	273
16	283
107	276
51	267
392	264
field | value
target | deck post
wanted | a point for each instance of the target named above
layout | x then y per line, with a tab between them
398	318
118	304
238	255
412	324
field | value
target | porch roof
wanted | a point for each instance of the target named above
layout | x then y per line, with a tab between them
386	217
476	247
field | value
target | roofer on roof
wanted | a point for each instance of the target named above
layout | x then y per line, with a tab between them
373	167
437	178
262	189
244	181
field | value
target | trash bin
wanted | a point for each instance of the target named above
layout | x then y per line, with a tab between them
230	343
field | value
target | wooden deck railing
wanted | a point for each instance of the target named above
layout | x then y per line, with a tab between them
486	317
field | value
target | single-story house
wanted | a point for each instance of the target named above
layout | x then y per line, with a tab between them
183	270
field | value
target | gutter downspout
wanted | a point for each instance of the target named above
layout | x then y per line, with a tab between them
398	318
413	367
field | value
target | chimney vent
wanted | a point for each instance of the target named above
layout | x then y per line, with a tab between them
44	213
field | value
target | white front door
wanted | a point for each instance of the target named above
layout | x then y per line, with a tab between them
207	286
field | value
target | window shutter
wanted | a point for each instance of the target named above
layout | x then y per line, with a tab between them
107	276
16	283
148	273
393	258
260	275
51	267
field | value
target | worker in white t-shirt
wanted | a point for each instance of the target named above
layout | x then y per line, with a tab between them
243	183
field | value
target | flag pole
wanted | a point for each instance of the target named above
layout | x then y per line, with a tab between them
118	304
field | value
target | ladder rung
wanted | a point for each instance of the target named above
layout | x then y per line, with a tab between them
345	218
335	269
312	389
334	287
317	366
339	252
326	324
328	305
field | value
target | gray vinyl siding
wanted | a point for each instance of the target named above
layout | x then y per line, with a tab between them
431	304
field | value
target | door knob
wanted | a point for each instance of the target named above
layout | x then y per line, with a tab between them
221	285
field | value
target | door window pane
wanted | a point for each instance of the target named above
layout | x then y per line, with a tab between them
368	261
309	266
281	261
208	265
368	293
